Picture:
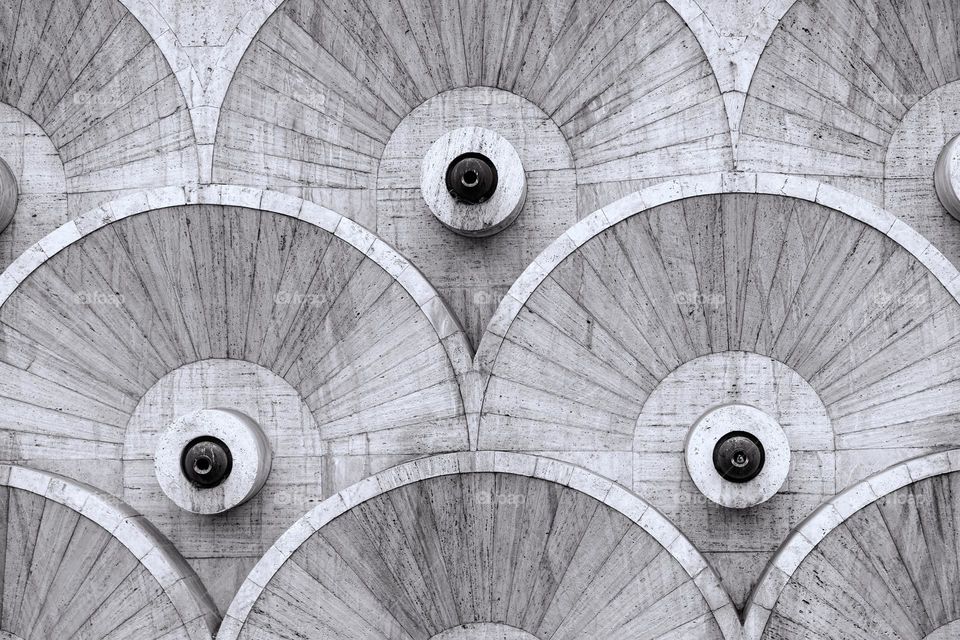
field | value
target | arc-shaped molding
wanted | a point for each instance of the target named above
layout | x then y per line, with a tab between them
718	183
826	519
734	46
614	77
624	88
156	23
733	55
203	89
805	275
360	238
164	596
733	65
97	314
602	490
92	77
436	374
910	244
834	82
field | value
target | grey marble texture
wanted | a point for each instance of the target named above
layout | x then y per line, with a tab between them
219	205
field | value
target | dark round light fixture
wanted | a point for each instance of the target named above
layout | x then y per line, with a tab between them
471	178
738	456
206	462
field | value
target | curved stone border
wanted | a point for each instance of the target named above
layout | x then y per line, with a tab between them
203	100
733	58
133	531
946	632
709	184
606	491
366	242
828	516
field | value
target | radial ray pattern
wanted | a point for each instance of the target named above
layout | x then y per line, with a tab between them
615	77
89	74
428	557
855	314
78	563
835	82
92	329
889	571
864	339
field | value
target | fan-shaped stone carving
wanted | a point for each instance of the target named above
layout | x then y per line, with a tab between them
886	570
120	331
607	84
865	332
78	563
724	281
536	546
859	93
94	80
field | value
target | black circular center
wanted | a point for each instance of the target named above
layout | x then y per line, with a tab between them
738	456
206	462
471	178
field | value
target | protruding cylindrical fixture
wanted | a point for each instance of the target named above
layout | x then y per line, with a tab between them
738	456
9	195
471	178
212	460
206	462
946	177
473	182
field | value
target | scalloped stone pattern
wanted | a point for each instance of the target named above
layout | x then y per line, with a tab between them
79	563
889	570
623	300
626	85
727	201
258	278
622	569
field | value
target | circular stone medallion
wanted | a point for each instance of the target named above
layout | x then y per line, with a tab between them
212	460
473	181
737	455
